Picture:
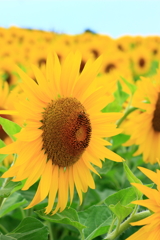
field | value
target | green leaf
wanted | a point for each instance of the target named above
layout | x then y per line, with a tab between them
97	219
2	156
68	216
4	237
112	107
132	179
124	197
120	98
9	188
120	95
91	198
70	238
30	228
120	211
12	202
131	86
119	140
120	202
153	69
106	166
10	127
130	176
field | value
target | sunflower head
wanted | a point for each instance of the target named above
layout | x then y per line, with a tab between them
151	224
65	129
144	124
65	118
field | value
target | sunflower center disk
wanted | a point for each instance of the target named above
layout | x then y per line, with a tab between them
156	116
141	62
66	131
109	67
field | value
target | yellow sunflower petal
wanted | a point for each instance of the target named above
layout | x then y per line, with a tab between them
86	74
146	220
71	183
70	68
150	174
63	189
50	75
88	177
8	112
45	181
89	166
77	183
35	174
150	193
30	133
139	235
34	89
9	149
92	158
53	189
42	82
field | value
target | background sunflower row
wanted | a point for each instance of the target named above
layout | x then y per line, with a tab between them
130	56
128	74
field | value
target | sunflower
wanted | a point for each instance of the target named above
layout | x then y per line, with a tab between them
116	65
64	132
7	70
4	92
143	124
151	230
141	60
6	102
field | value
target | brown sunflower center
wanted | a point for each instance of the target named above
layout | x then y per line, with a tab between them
82	65
8	77
141	62
155	51
109	67
156	116
120	47
41	61
95	53
66	131
3	134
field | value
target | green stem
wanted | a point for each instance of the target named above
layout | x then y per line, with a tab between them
126	224
29	212
22	212
3	229
6	180
118	227
82	236
111	226
130	110
51	236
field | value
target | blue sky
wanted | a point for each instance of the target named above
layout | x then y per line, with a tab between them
112	17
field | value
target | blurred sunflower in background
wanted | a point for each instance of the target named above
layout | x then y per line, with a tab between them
144	123
151	228
7	71
141	60
65	130
7	100
116	65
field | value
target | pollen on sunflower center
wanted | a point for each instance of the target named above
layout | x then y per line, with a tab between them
66	131
156	116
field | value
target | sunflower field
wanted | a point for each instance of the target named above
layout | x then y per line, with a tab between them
79	136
